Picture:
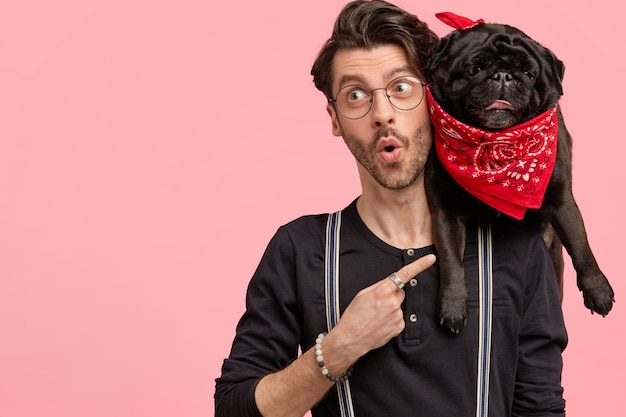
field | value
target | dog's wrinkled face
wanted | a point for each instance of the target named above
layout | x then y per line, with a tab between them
494	76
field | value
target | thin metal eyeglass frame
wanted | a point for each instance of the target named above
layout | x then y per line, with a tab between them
371	101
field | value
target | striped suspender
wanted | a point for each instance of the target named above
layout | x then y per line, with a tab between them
331	273
485	280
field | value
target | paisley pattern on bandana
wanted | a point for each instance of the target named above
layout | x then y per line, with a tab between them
507	169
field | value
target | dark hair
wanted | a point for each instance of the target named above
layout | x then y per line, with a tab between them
367	24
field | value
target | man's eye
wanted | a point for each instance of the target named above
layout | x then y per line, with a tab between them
357	95
402	87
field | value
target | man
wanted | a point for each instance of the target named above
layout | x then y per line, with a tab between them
388	347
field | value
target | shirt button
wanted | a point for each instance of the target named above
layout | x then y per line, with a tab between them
413	282
410	252
413	318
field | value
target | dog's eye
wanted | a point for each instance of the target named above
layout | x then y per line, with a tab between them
529	74
474	70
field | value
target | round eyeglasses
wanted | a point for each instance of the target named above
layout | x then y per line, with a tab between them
355	101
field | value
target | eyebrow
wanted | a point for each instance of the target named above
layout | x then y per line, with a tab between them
359	79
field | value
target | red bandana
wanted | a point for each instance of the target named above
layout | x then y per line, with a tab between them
456	21
507	169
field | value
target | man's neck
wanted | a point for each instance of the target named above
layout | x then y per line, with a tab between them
400	218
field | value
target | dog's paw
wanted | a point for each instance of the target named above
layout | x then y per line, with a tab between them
453	310
453	321
597	293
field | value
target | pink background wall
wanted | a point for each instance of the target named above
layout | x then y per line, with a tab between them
149	150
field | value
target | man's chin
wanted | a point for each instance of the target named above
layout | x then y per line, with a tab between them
396	183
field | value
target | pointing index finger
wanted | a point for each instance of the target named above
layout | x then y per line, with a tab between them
407	272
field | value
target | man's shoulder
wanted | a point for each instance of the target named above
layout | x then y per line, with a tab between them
507	228
311	227
509	233
519	239
314	222
306	222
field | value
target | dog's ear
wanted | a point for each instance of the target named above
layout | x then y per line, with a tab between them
556	66
440	52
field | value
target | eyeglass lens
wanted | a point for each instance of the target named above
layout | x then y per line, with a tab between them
404	93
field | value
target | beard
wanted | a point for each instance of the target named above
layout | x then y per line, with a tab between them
395	175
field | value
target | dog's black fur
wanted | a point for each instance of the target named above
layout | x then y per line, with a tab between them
470	69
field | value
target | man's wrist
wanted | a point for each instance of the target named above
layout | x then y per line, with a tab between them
319	356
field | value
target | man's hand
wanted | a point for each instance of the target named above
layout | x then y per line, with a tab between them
372	318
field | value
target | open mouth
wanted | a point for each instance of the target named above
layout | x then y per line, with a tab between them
498	115
389	149
388	144
500	105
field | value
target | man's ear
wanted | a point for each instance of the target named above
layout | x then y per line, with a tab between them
336	127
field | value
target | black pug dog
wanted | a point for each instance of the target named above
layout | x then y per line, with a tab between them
497	82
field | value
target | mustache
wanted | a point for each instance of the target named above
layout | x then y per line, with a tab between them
385	132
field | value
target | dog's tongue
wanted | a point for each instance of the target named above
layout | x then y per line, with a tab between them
500	105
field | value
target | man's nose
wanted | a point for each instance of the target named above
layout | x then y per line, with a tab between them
382	110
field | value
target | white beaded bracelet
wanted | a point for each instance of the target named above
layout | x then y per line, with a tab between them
320	362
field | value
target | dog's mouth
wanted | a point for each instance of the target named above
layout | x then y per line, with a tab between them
500	105
498	115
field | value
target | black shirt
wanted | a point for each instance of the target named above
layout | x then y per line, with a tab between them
426	370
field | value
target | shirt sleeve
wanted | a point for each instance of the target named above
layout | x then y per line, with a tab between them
267	335
542	339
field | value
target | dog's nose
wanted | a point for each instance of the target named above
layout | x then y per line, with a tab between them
503	77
